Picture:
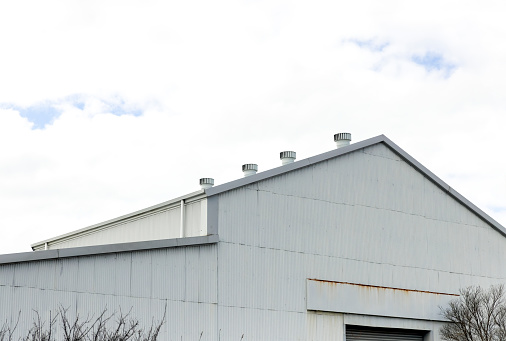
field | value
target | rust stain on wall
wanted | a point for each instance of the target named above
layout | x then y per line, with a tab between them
381	287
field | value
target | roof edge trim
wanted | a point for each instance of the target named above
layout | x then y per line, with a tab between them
292	166
107	248
444	186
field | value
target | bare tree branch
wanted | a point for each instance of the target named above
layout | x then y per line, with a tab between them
113	327
477	315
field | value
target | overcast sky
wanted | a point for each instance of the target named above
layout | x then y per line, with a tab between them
107	107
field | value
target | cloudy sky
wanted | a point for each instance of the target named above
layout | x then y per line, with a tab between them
111	106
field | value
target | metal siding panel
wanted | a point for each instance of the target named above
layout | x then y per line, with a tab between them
203	218
66	276
163	225
192	216
105	275
6	308
140	279
261	278
237	323
85	276
25	274
192	274
7	274
46	275
362	299
207	274
169	274
90	294
123	272
27	302
367	217
324	327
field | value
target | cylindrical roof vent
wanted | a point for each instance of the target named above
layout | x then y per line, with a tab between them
342	139
287	157
249	169
206	183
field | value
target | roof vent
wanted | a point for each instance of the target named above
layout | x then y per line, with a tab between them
287	157
206	183
342	139
249	169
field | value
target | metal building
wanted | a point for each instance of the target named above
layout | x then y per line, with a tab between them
359	243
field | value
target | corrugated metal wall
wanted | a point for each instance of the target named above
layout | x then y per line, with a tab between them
163	224
366	217
182	278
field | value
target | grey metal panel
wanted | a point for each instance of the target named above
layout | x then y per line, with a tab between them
292	166
134	215
363	299
66	273
123	271
168	274
140	279
207	273
103	281
192	274
86	274
161	225
7	277
365	217
27	302
103	249
105	275
236	323
369	144
46	274
193	217
325	326
6	308
27	278
302	207
212	215
199	322
262	278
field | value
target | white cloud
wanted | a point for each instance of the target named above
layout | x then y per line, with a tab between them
225	83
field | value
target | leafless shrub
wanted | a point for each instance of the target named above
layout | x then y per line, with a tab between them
104	327
38	332
477	315
7	332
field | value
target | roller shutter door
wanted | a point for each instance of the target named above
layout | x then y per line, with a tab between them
358	333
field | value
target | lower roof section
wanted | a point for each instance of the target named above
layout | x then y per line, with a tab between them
108	248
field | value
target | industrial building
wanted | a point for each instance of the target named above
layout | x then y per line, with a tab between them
358	243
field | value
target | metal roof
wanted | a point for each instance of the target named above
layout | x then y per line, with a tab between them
349	149
305	163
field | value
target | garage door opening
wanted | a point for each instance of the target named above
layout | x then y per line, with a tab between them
361	333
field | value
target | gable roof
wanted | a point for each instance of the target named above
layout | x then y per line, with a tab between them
349	149
213	191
